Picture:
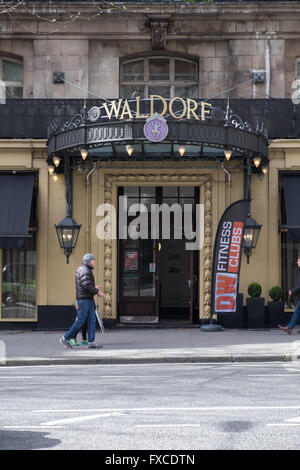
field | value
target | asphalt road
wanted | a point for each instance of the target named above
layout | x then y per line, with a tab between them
158	407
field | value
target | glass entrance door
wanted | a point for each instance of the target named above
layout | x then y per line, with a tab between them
137	262
157	275
177	281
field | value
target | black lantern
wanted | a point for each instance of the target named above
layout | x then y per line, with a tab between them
67	229
67	232
251	234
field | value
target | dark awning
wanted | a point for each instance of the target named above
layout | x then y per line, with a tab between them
291	185
15	206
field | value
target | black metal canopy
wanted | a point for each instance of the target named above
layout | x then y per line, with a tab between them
106	136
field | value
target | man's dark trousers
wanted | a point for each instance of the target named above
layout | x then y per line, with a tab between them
86	310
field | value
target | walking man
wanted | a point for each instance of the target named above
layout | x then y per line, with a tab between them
296	296
85	292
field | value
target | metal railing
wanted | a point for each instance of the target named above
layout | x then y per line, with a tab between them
30	118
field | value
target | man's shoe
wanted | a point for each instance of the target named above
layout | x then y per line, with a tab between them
84	342
286	329
65	343
95	346
73	342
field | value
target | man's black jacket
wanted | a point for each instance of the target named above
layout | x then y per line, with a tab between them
85	282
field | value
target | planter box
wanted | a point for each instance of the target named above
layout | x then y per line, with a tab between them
276	314
256	312
234	320
55	317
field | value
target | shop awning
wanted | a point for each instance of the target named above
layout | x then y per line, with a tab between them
15	205
291	185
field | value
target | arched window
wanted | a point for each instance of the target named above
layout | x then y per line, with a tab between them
11	72
159	75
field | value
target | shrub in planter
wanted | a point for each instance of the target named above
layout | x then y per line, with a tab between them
276	307
254	289
255	306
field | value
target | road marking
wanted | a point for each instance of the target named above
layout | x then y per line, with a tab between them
136	376
273	375
16	377
288	422
80	419
207	408
199	365
168	425
282	424
295	420
36	426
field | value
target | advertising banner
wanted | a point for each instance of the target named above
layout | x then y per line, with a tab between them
227	258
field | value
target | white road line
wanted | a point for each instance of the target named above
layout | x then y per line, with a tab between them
79	419
288	422
207	408
36	426
201	365
135	376
16	377
294	420
282	424
168	425
273	375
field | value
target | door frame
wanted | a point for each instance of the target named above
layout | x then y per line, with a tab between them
112	180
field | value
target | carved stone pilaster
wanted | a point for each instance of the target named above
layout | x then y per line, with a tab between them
207	247
112	180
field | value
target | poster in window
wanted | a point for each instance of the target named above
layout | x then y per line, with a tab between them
131	260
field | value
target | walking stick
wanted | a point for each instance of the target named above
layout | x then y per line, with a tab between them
99	319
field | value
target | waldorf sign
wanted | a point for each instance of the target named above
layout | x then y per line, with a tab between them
177	108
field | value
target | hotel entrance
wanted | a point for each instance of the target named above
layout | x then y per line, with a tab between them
158	275
160	152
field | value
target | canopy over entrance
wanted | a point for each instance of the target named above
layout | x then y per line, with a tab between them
156	129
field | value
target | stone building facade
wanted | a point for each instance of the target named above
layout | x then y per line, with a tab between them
227	50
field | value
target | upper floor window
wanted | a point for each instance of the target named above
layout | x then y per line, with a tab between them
11	72
164	76
297	72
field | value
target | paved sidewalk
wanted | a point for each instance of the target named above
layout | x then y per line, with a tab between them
142	345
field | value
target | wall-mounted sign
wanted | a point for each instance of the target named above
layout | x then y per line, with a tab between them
177	108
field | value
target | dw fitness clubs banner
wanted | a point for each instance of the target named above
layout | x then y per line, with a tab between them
227	257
